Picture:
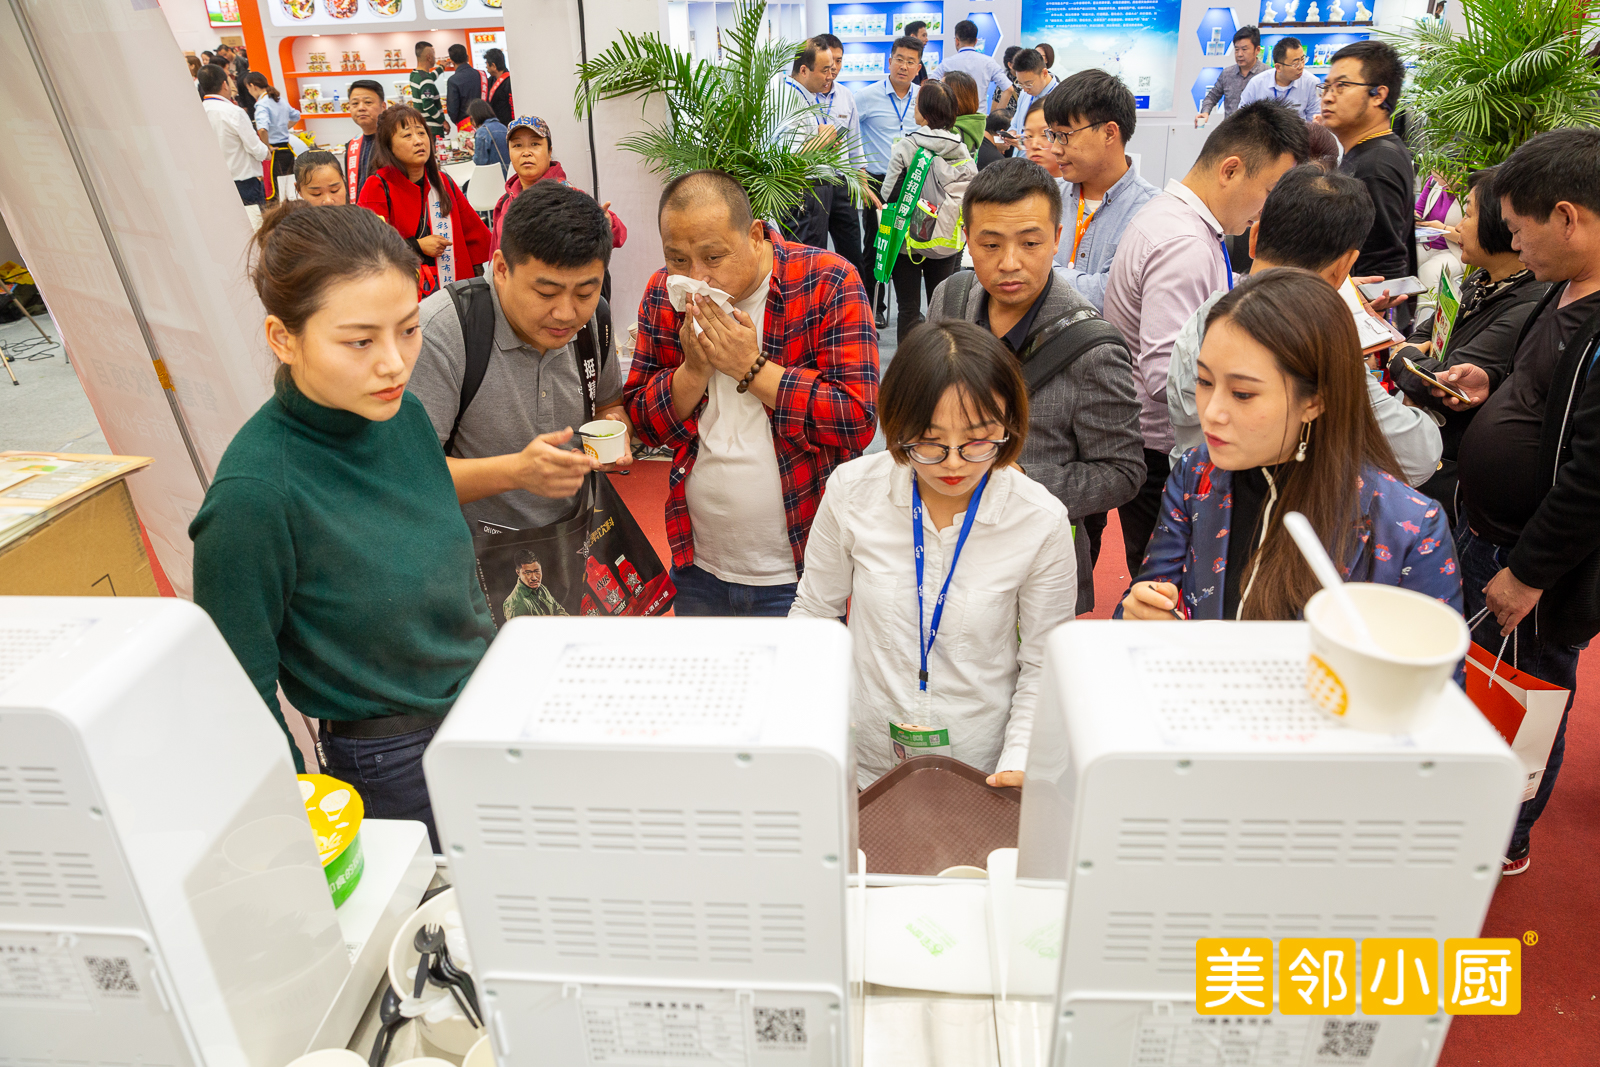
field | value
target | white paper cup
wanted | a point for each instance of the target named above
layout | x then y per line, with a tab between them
330	1057
1389	689
604	439
480	1055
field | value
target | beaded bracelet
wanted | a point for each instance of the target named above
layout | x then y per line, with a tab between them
750	375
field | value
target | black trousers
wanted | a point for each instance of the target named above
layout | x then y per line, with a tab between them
807	224
1094	526
844	223
1138	516
869	256
909	281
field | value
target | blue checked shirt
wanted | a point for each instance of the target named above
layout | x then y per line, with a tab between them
1092	268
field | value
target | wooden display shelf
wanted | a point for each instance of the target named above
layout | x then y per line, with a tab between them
333	73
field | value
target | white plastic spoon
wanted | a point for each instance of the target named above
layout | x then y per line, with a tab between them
1305	538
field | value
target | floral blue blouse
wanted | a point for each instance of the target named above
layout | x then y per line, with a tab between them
1404	537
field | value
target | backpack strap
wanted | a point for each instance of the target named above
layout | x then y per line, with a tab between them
960	291
475	310
1062	343
592	350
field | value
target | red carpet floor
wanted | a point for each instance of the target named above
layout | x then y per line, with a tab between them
1556	898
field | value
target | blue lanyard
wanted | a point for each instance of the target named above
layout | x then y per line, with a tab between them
797	87
925	642
1227	260
900	112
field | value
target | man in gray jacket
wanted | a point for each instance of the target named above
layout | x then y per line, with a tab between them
1083	426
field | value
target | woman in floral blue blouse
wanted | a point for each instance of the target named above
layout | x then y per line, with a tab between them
1288	427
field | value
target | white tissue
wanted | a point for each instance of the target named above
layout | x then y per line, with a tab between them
681	286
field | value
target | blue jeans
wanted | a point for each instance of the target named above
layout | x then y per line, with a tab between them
703	593
387	772
1557	664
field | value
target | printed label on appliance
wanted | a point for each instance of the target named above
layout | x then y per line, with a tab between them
628	1027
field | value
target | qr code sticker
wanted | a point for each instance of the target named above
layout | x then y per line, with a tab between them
781	1027
1346	1041
111	974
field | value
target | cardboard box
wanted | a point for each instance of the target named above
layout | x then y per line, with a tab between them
92	548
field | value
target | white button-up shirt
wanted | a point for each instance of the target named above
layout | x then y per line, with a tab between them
1016	575
242	150
840	108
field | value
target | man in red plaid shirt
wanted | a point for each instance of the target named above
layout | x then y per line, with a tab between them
758	405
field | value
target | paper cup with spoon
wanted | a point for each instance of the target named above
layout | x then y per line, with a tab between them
1380	655
604	439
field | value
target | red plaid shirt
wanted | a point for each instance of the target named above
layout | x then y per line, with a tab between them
819	330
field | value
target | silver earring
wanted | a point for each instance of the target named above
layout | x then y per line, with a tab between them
1305	439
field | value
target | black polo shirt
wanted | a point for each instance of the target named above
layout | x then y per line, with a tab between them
1017	336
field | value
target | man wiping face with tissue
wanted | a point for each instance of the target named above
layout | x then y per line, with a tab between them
757	362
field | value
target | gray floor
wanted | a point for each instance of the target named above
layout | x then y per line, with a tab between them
46	410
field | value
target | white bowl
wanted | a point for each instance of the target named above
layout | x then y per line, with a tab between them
480	1055
454	1035
330	1057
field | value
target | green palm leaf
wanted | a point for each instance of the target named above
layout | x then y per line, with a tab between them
721	116
1521	68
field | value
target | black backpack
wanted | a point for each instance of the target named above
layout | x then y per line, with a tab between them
475	310
1056	347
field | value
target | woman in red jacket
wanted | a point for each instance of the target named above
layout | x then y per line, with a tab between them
528	139
407	190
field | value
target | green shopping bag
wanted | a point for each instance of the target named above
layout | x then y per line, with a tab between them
894	220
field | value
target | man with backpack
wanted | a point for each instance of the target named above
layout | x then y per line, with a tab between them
1083	419
511	365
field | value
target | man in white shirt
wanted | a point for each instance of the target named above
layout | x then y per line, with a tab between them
242	151
989	74
844	218
1035	81
812	74
1314	221
1287	83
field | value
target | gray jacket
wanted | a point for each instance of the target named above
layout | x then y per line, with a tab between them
1084	443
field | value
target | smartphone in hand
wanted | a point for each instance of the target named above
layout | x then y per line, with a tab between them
1407	286
1435	382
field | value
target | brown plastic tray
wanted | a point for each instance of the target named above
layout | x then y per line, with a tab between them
934	812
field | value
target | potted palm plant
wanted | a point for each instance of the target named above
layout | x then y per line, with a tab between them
1521	68
723	116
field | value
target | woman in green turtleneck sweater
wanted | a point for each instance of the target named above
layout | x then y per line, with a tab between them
330	550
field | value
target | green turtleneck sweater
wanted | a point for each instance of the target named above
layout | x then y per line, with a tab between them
332	554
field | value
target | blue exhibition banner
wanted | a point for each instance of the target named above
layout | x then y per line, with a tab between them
1137	40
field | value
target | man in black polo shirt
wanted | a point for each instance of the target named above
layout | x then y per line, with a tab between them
1530	462
1358	100
1083	443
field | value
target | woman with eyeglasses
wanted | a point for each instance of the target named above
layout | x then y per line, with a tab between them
954	564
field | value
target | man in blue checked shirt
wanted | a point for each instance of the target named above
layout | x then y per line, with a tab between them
887	112
1091	116
1035	81
990	75
1288	82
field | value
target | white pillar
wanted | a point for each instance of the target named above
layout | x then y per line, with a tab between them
542	48
168	207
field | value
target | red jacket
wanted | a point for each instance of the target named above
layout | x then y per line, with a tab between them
619	232
395	198
819	330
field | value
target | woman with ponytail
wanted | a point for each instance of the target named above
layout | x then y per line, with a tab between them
1288	427
330	550
428	210
273	119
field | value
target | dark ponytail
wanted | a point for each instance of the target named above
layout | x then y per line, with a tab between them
301	250
259	80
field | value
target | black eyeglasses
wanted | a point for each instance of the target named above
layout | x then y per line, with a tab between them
1337	88
1063	136
972	451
